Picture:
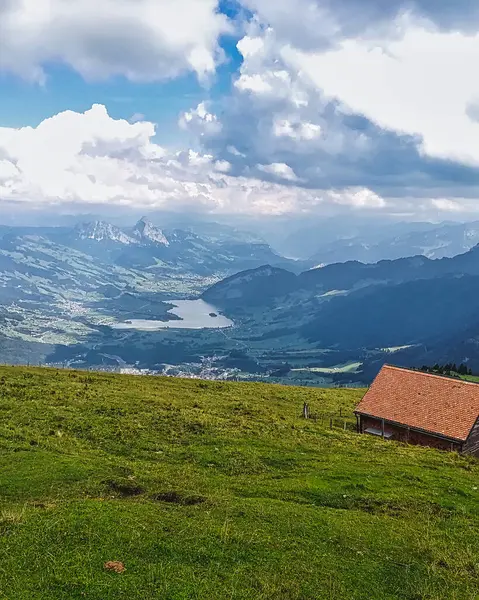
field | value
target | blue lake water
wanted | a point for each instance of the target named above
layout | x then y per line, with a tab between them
194	314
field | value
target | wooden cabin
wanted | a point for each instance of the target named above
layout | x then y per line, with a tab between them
421	408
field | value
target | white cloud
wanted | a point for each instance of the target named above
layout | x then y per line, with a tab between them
8	172
303	23
234	151
95	159
391	110
358	197
446	205
280	170
320	24
292	136
200	121
223	166
297	131
408	66
254	83
420	84
143	40
284	119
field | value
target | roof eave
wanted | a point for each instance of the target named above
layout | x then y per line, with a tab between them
418	429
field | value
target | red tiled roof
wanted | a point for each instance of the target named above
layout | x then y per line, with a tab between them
433	403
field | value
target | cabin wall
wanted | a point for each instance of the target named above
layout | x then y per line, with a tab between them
471	445
402	434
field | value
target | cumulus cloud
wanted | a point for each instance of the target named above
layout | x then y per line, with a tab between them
284	111
320	24
296	130
279	170
92	159
444	204
200	121
143	40
357	103
404	65
420	84
359	198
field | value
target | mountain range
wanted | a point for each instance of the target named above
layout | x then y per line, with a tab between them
420	308
59	284
337	279
146	246
63	290
335	242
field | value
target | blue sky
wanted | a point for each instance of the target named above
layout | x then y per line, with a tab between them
241	107
25	104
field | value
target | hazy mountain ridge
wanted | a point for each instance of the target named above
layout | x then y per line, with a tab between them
440	241
61	289
60	286
146	232
366	309
146	246
342	276
100	231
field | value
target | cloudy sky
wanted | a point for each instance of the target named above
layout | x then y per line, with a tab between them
252	107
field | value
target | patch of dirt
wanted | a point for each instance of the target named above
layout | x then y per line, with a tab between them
115	566
43	505
179	498
125	489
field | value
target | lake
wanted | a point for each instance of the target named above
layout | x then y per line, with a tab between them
194	314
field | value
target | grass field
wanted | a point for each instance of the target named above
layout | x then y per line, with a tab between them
208	490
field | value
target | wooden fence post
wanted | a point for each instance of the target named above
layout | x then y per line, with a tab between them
305	411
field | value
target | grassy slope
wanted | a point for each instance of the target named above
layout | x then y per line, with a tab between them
265	505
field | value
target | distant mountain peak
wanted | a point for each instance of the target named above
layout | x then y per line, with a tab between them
100	231
144	230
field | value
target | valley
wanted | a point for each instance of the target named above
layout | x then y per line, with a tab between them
63	288
167	302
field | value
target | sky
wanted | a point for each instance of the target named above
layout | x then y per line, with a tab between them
252	107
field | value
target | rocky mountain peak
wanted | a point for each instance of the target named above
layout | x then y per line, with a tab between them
102	231
145	231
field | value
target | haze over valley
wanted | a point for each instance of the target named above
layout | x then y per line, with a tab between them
221	303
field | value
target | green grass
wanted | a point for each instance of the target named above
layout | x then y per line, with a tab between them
209	490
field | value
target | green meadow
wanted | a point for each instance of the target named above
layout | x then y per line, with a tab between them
211	490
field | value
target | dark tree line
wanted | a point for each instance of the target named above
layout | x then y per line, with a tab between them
447	369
